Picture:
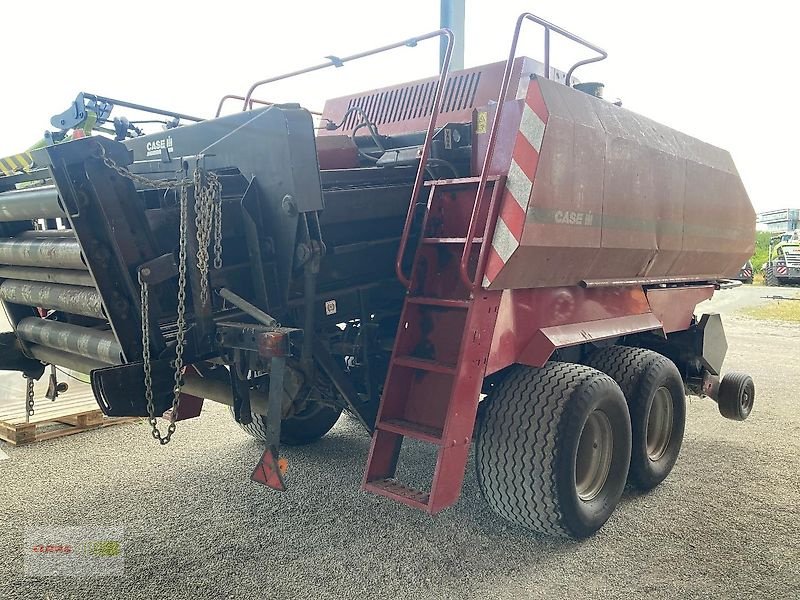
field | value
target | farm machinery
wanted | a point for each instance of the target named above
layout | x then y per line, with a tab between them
783	259
494	238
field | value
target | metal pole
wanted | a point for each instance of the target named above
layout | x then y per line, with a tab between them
83	341
54	252
452	17
73	299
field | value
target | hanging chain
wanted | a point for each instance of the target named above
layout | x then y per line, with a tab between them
208	207
164	184
28	396
208	217
218	225
148	378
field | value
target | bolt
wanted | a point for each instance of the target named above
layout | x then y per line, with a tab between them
288	205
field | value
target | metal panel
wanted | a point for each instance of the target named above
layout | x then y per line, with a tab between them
618	196
464	91
675	307
548	340
523	313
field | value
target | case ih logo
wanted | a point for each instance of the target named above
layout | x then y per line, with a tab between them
568	217
155	147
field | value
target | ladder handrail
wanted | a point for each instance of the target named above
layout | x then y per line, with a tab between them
487	161
425	150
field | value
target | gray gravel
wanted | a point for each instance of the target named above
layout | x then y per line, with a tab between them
723	525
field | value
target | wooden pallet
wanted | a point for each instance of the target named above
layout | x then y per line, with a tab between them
66	416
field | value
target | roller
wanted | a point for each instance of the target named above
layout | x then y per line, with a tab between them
33	234
81	364
33	203
59	253
65	276
93	344
193	384
69	298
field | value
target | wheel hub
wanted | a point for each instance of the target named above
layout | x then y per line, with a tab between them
659	424
593	459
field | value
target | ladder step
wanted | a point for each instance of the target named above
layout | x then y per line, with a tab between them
391	488
450	240
445	302
423	364
413	430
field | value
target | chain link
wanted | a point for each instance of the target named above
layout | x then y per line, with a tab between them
28	396
207	195
208	217
164	184
218	226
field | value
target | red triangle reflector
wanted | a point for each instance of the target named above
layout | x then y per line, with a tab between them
270	469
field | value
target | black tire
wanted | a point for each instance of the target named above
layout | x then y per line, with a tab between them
646	378
736	395
770	278
528	448
300	429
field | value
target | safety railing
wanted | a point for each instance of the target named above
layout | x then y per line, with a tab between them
250	104
473	282
336	61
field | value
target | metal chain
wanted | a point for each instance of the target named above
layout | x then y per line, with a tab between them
146	366
208	216
218	226
180	324
28	396
166	184
180	332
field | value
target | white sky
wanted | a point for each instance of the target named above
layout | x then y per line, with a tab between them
725	72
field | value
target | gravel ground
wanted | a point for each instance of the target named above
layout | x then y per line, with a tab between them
723	525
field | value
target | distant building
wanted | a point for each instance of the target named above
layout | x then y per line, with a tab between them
785	219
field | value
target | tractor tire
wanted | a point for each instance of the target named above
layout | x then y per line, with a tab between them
300	429
770	278
656	399
553	449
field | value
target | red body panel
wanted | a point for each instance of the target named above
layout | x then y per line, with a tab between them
407	107
674	307
523	314
608	193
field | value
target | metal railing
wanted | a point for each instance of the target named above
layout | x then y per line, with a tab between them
250	104
335	61
473	282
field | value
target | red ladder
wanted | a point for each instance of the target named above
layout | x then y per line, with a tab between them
442	345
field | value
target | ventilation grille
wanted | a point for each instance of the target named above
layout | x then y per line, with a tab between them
414	101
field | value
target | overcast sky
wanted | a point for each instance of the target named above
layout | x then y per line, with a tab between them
725	72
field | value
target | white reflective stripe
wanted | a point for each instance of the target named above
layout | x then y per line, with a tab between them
532	127
519	185
504	241
522	89
485	282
